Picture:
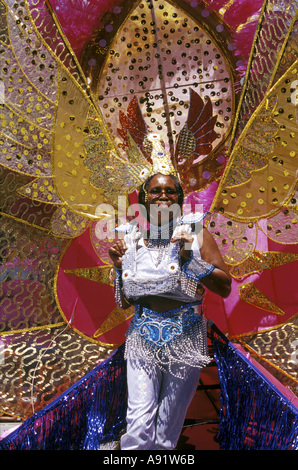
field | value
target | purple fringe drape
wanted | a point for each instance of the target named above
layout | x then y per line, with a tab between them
90	413
254	415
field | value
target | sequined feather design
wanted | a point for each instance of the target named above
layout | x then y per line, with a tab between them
133	125
196	137
194	140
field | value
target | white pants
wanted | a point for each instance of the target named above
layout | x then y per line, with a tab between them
157	406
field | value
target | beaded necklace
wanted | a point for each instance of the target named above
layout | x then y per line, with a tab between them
160	236
159	239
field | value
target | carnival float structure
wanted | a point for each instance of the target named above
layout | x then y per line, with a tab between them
81	86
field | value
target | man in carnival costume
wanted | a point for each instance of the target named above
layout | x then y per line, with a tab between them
161	269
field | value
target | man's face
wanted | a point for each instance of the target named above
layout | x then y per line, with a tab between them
162	194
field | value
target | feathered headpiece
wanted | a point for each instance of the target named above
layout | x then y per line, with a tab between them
140	142
145	150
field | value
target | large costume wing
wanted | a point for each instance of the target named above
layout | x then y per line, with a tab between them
47	113
254	212
50	119
257	190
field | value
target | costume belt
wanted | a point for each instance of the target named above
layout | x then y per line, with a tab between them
161	328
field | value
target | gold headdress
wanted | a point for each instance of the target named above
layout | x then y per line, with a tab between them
143	145
161	160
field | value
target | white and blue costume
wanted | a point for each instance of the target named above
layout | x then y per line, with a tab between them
165	351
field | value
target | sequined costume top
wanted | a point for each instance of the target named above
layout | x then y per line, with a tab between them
157	269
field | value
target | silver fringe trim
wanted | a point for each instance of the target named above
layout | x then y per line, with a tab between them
189	349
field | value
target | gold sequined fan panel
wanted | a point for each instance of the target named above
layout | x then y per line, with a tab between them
274	49
276	350
38	366
257	194
46	115
40	354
